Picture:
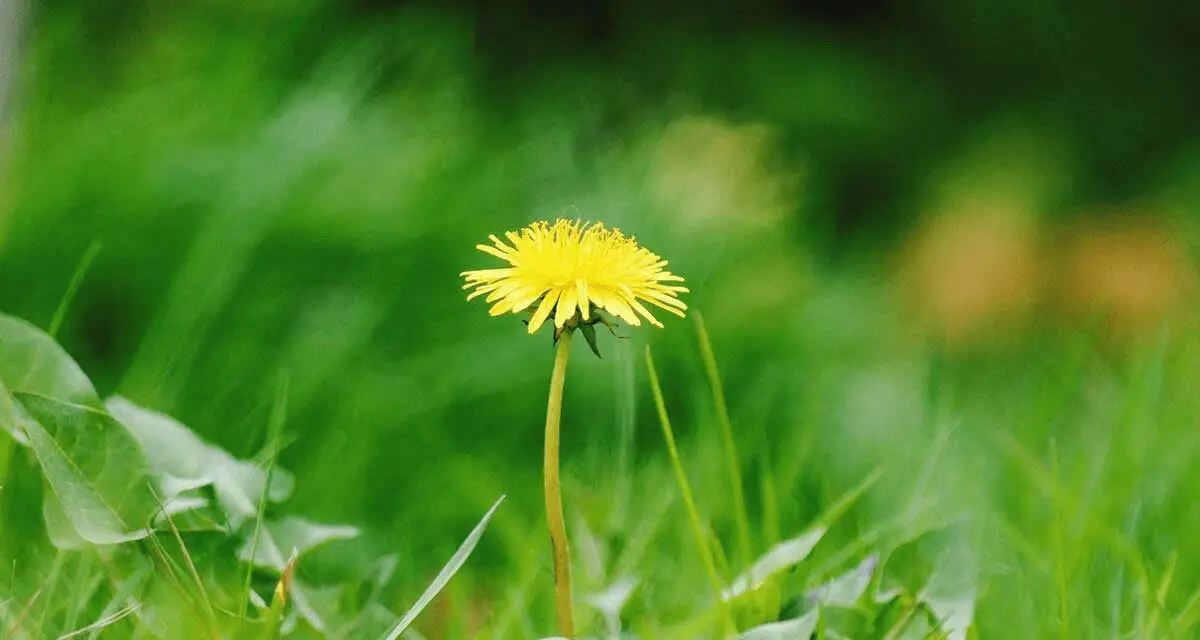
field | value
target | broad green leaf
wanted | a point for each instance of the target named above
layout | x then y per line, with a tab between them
443	577
782	556
318	607
800	628
951	591
189	511
275	612
184	460
59	529
32	362
279	539
955	614
13	418
847	589
611	601
94	470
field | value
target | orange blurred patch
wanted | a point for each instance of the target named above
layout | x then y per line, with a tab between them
973	276
1129	272
447	614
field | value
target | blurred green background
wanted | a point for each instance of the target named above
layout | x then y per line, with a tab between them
896	218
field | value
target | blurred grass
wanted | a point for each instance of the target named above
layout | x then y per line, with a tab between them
299	204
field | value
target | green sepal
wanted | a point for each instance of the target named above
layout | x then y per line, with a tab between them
589	334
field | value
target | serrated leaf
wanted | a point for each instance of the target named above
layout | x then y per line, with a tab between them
94	470
782	556
278	539
182	459
443	577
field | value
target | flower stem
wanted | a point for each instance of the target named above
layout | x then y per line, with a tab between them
554	509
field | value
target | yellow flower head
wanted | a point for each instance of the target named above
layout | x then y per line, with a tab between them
569	267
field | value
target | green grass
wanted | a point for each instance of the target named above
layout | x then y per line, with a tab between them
1035	495
220	212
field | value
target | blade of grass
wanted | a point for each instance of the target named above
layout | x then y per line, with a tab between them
173	570
1054	490
210	613
16	624
686	490
897	531
1187	617
275	424
279	600
443	577
721	560
81	269
50	587
911	606
624	371
1160	596
731	455
122	591
771	527
847	500
1060	554
102	623
83	588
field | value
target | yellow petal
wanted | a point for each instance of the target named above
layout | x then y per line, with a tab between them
613	303
584	303
507	257
481	275
480	291
659	299
500	308
566	306
522	298
637	306
504	289
543	310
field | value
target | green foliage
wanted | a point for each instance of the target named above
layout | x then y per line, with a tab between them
141	495
294	206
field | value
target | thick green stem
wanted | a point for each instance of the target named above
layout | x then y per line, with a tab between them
554	509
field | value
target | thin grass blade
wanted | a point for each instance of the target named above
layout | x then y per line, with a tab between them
443	578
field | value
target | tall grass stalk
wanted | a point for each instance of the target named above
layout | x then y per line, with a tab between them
685	490
275	423
64	304
731	455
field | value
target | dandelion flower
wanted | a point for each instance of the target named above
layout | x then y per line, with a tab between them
573	270
570	269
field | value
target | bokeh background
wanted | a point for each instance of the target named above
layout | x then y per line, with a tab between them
897	219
